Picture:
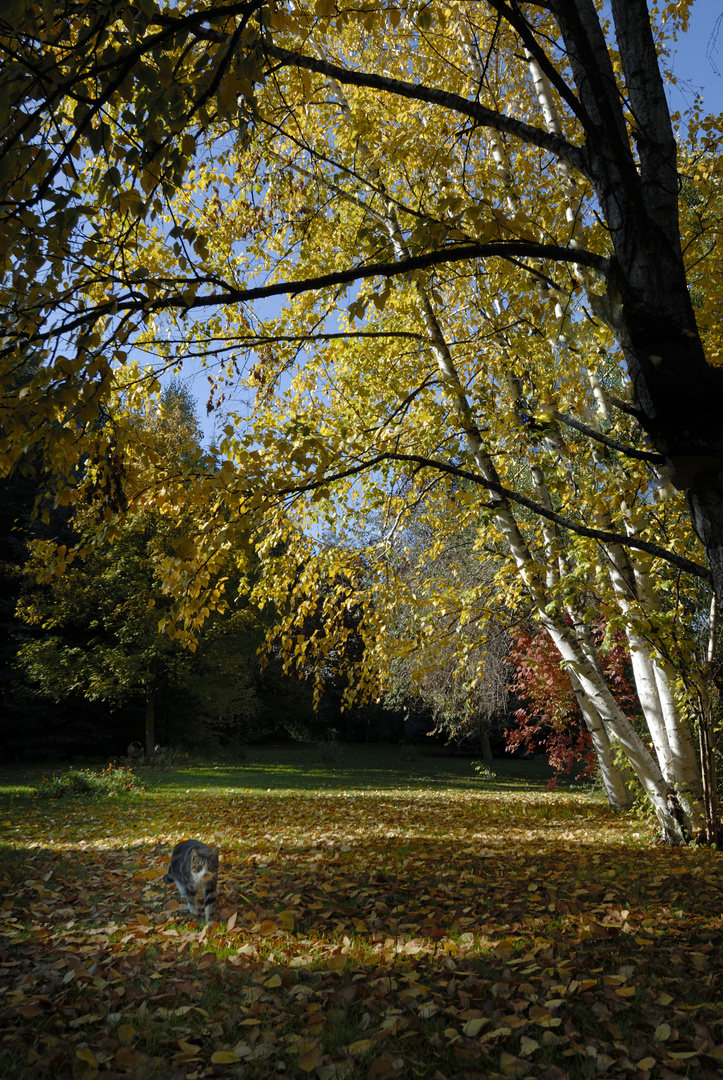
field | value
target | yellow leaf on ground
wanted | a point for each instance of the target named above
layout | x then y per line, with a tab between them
125	1033
504	948
513	1066
361	1046
187	1047
85	1065
310	1060
224	1057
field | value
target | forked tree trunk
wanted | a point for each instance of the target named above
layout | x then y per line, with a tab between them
655	683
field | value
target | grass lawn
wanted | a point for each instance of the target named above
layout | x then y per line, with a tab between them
383	914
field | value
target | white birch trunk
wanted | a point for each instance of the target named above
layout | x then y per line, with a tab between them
654	678
616	779
643	673
686	768
617	790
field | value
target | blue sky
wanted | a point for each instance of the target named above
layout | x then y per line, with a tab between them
698	63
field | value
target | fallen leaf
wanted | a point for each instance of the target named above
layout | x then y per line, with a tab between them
473	1027
224	1057
85	1065
310	1059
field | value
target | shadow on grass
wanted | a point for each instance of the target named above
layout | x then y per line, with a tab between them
364	767
304	767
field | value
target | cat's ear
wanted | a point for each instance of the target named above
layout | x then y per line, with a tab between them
216	854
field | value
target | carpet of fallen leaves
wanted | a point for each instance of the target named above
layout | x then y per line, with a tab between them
392	933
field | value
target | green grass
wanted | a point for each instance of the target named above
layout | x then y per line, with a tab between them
297	767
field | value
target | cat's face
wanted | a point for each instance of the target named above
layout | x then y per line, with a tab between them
204	865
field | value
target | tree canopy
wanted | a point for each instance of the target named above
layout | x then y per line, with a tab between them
498	254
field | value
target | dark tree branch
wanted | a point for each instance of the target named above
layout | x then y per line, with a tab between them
482	116
511	250
629	410
517	20
604	537
622	448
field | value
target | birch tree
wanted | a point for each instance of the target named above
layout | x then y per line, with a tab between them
448	195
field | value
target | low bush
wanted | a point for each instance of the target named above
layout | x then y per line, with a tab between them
112	780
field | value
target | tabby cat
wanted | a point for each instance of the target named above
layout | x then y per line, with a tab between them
193	865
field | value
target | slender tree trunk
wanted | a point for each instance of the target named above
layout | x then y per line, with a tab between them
484	742
151	725
684	761
616	778
710	699
617	789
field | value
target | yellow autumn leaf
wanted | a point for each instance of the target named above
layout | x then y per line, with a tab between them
361	1046
85	1065
311	1059
337	962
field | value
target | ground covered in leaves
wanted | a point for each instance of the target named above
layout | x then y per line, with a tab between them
380	918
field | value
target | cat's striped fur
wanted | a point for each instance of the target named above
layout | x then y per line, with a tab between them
194	865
